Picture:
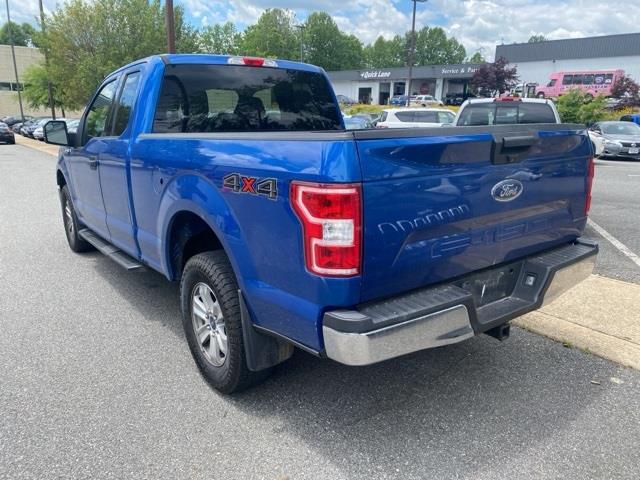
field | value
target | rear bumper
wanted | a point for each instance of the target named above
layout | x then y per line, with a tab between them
450	313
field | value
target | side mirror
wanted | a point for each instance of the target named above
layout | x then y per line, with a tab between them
55	133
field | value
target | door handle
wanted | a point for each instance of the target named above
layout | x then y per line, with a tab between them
93	162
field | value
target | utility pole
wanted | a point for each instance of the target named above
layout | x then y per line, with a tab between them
301	28
46	64
412	49
170	26
13	54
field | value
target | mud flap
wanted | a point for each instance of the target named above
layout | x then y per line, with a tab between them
262	351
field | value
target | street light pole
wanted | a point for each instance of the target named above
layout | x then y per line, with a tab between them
170	26
412	48
13	54
46	64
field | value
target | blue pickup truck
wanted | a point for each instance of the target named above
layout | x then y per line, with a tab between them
236	177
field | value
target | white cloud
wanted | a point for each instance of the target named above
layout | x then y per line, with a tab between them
477	24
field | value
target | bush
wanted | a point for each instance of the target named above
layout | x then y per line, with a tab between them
579	107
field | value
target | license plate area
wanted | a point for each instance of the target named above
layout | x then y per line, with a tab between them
634	151
491	285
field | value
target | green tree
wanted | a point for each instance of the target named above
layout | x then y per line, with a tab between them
537	39
272	36
476	58
326	46
578	107
23	35
221	38
36	88
385	53
433	47
87	40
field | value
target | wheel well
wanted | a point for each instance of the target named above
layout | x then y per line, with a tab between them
189	236
60	180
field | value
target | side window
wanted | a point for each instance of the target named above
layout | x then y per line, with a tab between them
98	114
445	117
426	117
588	79
608	78
567	79
405	116
577	79
125	103
552	83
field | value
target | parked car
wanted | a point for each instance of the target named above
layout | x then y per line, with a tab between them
618	139
506	111
72	125
356	123
369	117
398	100
6	134
457	99
634	117
13	119
426	101
31	127
344	100
415	117
287	230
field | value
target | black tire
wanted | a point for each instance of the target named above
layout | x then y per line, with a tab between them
540	95
214	270
71	223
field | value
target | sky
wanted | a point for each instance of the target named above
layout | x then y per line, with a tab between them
478	24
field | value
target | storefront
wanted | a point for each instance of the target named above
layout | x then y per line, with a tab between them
378	85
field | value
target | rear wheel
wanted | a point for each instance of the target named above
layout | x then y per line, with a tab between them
211	321
540	95
72	224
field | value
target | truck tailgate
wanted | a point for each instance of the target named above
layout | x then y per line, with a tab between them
440	203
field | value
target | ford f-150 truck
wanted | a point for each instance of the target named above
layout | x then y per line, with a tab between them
236	177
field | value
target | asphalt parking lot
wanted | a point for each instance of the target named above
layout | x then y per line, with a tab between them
96	380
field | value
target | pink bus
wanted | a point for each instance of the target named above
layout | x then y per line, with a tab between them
592	82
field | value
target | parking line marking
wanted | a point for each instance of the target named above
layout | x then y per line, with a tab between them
615	242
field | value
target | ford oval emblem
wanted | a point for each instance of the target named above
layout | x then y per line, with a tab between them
507	190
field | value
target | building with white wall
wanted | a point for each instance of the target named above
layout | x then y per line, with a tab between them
25	57
376	86
536	61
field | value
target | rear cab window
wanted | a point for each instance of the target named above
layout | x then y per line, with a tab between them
231	98
504	113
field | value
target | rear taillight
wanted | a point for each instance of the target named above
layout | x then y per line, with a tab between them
331	218
590	174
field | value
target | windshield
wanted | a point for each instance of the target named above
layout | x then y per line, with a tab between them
620	128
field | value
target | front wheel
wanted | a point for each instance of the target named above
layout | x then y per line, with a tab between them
212	324
72	224
540	95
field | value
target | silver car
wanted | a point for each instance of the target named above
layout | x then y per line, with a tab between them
617	139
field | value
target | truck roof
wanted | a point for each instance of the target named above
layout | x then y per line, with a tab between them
213	59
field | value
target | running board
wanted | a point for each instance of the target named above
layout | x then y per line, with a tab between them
114	253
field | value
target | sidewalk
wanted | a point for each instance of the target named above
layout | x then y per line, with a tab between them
601	315
37	145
